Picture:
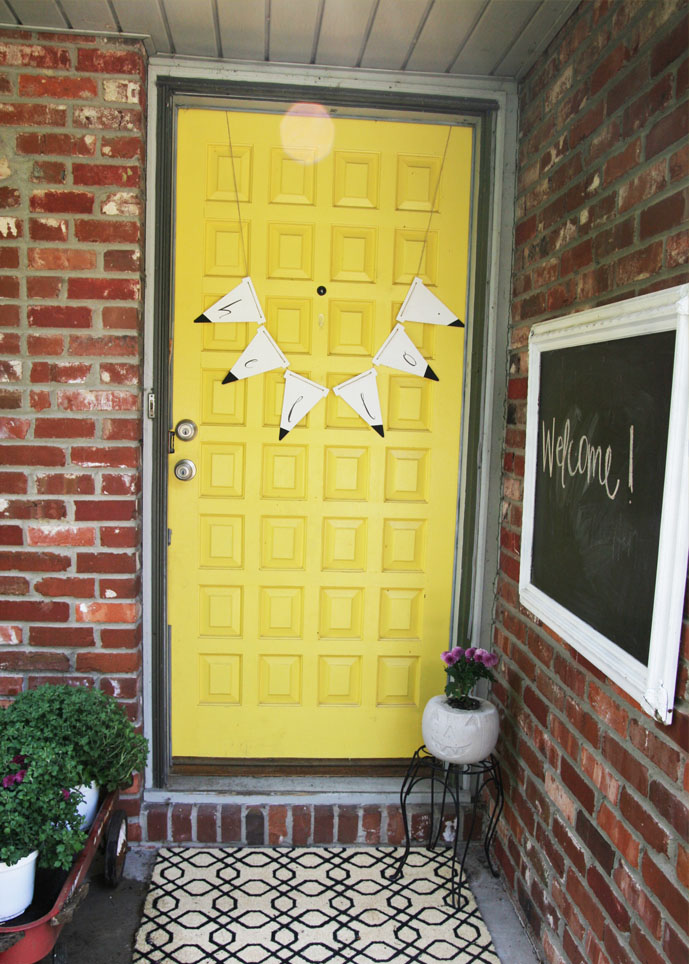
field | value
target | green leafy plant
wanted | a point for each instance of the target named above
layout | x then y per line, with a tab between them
465	667
87	723
38	802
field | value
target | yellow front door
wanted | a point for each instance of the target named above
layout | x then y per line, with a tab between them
310	579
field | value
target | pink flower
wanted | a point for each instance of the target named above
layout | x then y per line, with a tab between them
464	669
12	778
65	793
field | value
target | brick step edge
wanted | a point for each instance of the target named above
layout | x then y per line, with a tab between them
266	824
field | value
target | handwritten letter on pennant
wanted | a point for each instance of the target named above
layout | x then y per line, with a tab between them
423	306
361	394
301	395
262	354
399	351
240	304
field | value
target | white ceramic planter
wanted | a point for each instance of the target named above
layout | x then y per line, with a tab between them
459	736
17	886
88	808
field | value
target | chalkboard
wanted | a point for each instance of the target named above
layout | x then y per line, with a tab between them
603	421
606	528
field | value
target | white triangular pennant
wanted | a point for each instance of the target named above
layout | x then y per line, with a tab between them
239	304
399	351
361	394
262	354
423	306
301	394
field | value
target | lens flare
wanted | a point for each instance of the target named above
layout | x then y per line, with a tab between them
307	132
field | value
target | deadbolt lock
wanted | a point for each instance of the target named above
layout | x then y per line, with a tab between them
185	430
185	470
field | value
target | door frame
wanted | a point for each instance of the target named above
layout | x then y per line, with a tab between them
492	106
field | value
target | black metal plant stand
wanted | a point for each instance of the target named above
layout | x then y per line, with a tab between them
446	777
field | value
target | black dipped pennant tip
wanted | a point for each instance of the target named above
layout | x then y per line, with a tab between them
283	432
429	373
202	320
229	378
379	429
456	324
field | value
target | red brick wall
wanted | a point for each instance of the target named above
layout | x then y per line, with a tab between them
71	229
594	840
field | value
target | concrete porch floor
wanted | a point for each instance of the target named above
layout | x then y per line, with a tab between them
103	928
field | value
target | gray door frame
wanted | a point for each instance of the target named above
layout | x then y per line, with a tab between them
493	104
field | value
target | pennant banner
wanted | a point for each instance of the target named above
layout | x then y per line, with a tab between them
240	304
262	354
301	395
399	351
361	394
423	306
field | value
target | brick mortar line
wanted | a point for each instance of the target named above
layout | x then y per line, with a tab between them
621	292
88	472
67	551
636	247
21	71
68	498
72	548
634	714
569	866
264	808
637	18
75	499
22	210
55	624
67	272
654	771
79	133
667	863
674	842
27	649
590	103
60	415
583	147
672	187
670	69
75	600
97	442
617	255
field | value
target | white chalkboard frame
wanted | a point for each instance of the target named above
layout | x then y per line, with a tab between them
651	685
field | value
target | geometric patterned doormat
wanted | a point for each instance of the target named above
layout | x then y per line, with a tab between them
318	905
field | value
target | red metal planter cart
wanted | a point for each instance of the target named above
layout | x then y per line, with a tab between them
29	938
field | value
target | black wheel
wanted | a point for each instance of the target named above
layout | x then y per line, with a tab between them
59	955
115	848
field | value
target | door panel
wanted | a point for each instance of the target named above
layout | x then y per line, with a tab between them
310	579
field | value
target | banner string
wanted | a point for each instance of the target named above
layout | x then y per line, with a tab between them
236	195
435	197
